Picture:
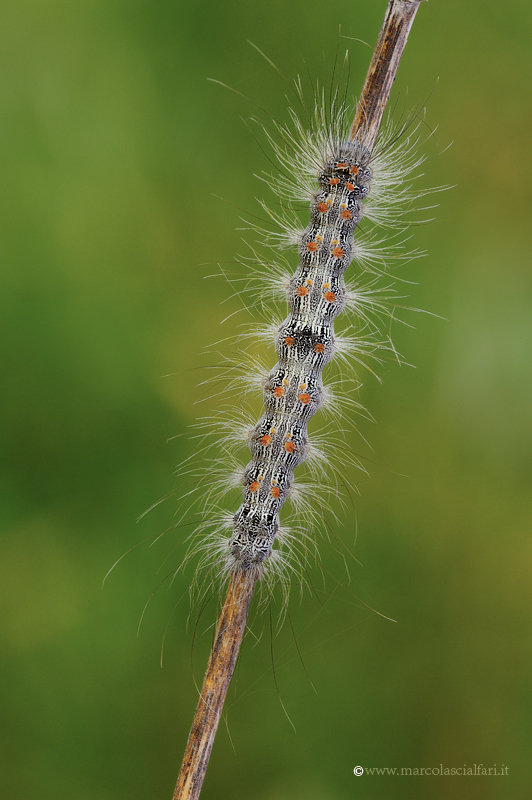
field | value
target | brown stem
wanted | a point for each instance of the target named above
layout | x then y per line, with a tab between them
215	685
381	74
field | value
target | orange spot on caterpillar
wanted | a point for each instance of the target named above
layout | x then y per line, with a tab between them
278	391
305	398
309	281
266	440
312	247
329	201
273	431
275	492
326	285
301	291
341	165
289	341
334	181
322	208
319	348
289	447
338	252
346	214
286	382
354	170
253	487
349	186
319	238
330	297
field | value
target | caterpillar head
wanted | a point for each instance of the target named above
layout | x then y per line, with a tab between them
347	165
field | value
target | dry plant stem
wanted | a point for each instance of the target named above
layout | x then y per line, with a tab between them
215	685
392	40
381	74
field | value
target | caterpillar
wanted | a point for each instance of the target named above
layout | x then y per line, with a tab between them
305	343
343	183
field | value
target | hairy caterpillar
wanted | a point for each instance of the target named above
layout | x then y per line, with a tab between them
344	183
305	343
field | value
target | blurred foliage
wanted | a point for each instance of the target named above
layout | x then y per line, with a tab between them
114	153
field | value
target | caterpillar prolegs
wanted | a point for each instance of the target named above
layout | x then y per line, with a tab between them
305	343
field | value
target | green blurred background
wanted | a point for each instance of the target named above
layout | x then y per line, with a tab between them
114	150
